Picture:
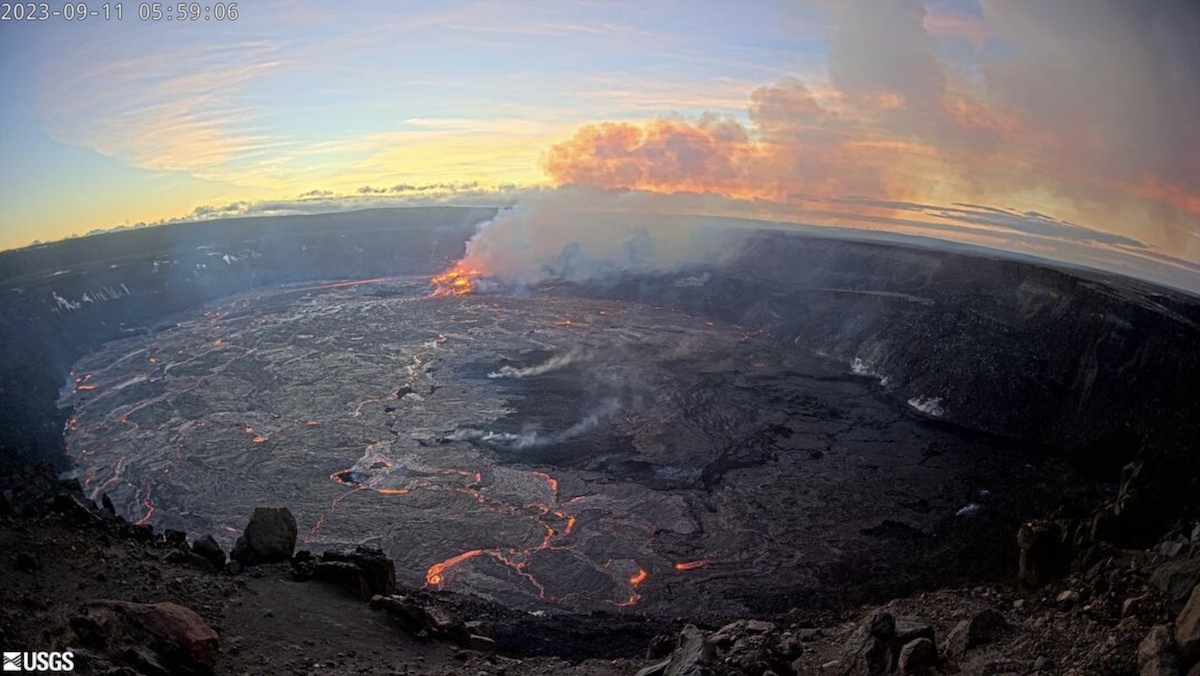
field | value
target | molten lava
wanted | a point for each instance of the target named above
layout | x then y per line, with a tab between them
434	576
690	565
458	280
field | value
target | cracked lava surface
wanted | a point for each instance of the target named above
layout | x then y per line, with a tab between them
545	452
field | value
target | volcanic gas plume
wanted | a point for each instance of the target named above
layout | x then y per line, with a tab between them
584	234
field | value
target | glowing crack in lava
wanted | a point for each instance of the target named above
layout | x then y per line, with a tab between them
458	280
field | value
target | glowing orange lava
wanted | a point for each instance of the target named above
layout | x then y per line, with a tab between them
434	576
691	565
458	280
639	577
339	285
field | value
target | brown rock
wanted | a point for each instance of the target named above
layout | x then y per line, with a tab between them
1187	627
177	636
1156	654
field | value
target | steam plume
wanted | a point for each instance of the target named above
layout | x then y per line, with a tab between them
535	439
579	234
552	364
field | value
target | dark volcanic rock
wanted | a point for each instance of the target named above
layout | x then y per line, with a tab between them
1187	627
754	647
917	656
423	617
1156	654
691	655
270	537
909	629
190	559
163	634
366	571
870	651
983	628
1044	554
1177	578
208	548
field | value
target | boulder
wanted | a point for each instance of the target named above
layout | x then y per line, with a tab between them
143	635
690	658
870	650
656	669
107	504
208	548
1187	627
982	628
909	629
754	647
186	558
365	571
174	538
1044	553
1176	578
661	646
1067	600
727	635
1156	654
422	617
270	537
917	656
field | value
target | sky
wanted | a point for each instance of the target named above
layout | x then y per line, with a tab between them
1067	129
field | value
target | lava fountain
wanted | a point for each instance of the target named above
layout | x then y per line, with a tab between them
457	280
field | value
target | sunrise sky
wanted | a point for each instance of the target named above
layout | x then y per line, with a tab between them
1065	129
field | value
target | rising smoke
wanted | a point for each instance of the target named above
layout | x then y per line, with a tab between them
552	364
576	234
537	439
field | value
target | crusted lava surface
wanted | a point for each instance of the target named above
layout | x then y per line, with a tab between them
548	453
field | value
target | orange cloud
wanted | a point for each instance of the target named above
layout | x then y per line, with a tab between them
1092	130
795	147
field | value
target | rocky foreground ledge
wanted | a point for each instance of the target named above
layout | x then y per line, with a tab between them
129	600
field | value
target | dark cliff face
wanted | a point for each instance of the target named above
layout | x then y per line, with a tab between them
1092	364
1068	359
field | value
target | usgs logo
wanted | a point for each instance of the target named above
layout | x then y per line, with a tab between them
38	662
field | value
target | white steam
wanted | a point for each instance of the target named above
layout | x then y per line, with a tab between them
552	364
535	439
576	234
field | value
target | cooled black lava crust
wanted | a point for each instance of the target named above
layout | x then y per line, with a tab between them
550	452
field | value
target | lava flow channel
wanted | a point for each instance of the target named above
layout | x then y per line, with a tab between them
518	559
